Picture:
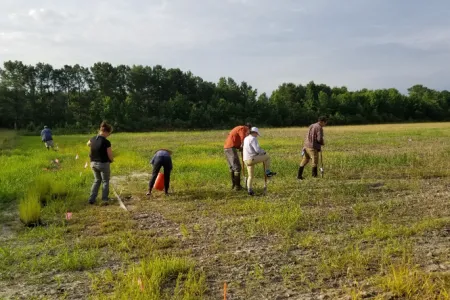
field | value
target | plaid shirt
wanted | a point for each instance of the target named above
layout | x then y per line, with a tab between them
314	137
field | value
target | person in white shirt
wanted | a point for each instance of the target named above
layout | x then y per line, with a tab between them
253	154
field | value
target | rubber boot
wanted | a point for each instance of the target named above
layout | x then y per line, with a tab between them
233	180
314	172
300	173
237	181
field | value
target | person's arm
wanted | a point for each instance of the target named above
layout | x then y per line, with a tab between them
153	160
320	136
88	143
110	155
256	147
242	135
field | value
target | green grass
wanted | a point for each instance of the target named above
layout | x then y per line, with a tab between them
157	278
375	227
30	208
406	281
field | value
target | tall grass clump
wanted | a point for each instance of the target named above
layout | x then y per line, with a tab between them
155	278
409	282
30	209
58	189
42	187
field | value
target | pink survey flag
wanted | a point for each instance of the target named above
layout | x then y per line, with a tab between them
141	285
68	215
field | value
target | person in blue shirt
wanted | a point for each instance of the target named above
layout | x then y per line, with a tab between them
161	159
47	138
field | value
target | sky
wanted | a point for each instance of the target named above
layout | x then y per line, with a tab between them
354	43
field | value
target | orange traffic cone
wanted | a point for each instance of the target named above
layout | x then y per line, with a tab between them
159	184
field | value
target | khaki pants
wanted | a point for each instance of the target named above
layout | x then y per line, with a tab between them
49	144
310	153
250	163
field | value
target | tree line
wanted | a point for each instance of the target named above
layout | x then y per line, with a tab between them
141	98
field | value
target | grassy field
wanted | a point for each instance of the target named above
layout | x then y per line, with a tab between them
377	226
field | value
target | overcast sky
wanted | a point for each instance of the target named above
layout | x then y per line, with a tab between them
356	43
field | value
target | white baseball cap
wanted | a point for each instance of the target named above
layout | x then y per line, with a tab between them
255	129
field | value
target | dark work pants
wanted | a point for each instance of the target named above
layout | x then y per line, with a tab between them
166	163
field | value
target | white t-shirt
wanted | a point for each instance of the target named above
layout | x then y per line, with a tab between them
251	147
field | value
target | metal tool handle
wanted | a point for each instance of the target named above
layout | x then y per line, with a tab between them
321	164
265	178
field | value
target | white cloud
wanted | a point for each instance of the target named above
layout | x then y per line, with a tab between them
260	41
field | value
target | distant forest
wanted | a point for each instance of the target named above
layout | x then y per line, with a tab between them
143	98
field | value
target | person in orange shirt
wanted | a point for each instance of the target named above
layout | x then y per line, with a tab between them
234	141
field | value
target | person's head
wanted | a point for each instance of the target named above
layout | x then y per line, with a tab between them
254	131
322	121
105	129
45	126
249	126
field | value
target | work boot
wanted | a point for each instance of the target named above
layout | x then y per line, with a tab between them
300	173
233	181
314	172
237	181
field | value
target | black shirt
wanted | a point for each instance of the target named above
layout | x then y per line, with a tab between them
98	153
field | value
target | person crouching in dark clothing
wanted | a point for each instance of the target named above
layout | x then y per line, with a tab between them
162	158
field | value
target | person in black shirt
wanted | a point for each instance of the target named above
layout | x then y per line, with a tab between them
101	158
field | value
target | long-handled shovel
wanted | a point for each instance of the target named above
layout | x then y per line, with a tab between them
243	170
321	164
265	178
68	212
118	198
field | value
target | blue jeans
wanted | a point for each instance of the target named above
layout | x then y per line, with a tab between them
101	175
161	162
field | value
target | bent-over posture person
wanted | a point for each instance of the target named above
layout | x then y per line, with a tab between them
312	146
161	159
101	157
233	143
47	138
253	154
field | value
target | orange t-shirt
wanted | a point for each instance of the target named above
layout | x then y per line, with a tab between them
236	137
